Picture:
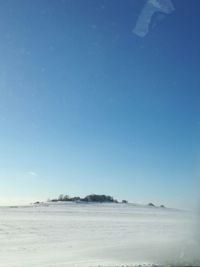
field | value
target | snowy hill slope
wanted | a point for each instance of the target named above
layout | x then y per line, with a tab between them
95	234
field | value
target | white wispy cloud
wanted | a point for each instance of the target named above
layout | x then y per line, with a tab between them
32	173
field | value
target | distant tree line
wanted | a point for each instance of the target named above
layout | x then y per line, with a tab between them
92	198
88	198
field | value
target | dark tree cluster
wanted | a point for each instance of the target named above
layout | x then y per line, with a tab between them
89	198
99	198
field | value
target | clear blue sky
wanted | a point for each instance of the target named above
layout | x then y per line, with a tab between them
87	106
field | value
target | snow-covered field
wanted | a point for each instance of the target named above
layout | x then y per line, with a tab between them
95	235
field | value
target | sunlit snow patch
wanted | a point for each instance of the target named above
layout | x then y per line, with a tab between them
145	17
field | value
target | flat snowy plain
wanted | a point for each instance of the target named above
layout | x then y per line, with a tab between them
83	235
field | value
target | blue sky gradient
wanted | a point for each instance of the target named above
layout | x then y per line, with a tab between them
86	106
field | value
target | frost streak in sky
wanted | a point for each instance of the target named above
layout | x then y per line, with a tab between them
151	6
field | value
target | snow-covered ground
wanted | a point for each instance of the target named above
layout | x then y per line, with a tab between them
71	234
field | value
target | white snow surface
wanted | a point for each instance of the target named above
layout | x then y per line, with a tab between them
84	235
